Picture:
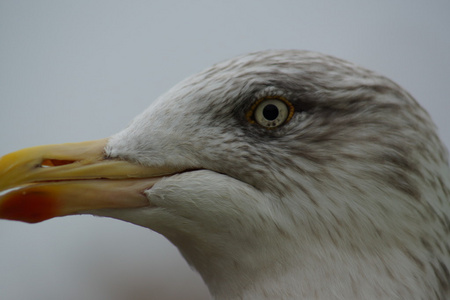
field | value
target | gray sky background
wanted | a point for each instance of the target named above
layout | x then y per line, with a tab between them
81	70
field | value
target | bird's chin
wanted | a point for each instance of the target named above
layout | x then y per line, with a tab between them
180	205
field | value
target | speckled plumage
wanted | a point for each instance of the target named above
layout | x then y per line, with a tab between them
348	200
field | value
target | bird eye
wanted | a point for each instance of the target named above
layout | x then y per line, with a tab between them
271	112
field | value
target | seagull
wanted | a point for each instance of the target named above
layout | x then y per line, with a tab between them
279	174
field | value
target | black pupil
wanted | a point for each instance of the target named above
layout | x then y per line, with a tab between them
270	112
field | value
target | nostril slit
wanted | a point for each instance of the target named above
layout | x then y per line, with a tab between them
56	162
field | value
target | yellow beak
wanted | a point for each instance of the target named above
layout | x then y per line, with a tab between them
43	182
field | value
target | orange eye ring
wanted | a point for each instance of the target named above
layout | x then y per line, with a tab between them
270	112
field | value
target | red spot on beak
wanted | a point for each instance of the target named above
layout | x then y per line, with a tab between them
28	207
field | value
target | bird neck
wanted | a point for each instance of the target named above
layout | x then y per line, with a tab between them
323	272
